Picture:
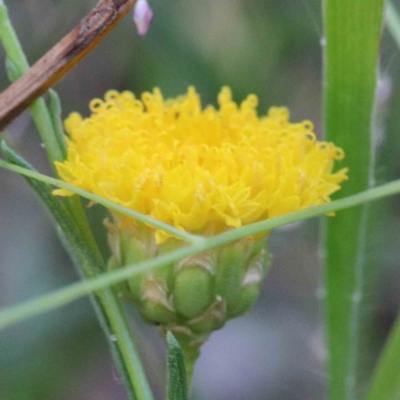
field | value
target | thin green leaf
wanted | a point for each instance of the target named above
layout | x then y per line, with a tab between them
100	200
48	123
177	382
56	119
352	30
17	66
57	209
12	71
102	318
386	382
106	304
73	204
13	314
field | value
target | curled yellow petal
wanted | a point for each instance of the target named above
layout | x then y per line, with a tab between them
201	170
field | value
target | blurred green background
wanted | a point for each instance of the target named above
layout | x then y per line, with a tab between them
268	47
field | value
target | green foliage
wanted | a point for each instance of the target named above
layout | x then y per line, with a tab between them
17	65
14	314
72	221
106	305
56	119
386	383
351	57
353	30
177	382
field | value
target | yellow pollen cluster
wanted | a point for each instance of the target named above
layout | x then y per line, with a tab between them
202	171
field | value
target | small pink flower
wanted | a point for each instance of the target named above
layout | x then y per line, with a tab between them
142	16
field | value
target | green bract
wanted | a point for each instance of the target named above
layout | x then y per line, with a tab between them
196	295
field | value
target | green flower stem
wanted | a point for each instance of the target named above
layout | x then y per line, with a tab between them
392	20
13	314
40	113
190	358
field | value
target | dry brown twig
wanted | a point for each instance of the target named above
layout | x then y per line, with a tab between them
58	61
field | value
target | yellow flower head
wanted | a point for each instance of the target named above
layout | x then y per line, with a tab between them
201	170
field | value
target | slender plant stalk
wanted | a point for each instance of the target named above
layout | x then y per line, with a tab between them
352	30
106	302
105	324
43	119
13	314
40	113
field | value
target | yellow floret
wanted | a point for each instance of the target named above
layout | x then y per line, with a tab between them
203	171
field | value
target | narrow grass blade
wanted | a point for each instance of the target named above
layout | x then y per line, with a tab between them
386	383
17	65
102	318
177	382
56	119
352	34
100	200
106	304
14	314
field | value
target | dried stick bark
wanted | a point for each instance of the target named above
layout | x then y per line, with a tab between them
58	61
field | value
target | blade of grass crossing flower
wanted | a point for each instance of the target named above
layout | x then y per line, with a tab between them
177	382
107	306
352	33
14	314
100	200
